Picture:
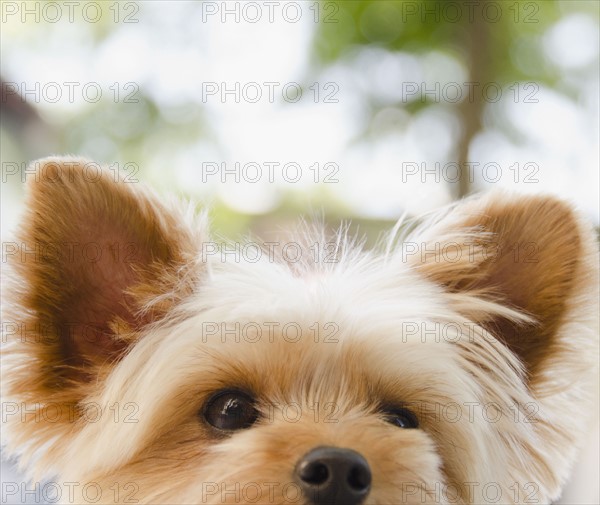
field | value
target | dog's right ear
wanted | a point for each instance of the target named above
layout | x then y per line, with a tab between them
97	260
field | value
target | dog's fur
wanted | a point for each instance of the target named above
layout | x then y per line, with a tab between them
483	320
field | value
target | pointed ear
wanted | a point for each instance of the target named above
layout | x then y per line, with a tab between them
97	260
533	253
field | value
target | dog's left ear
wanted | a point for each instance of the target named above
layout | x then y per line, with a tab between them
97	260
533	254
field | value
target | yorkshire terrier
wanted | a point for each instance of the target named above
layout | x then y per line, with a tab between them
145	363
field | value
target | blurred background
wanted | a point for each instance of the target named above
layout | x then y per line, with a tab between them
266	111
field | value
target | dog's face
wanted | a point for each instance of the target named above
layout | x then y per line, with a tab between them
145	365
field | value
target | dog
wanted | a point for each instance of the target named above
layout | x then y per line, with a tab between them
455	362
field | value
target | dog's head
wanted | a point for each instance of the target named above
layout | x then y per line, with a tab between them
145	364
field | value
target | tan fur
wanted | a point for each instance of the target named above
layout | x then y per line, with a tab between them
532	262
461	323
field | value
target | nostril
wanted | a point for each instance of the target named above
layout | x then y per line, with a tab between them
333	476
314	473
359	478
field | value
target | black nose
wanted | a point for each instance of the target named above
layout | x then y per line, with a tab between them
334	476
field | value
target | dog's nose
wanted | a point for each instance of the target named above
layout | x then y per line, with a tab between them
334	476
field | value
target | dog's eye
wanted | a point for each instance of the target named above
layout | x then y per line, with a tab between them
401	417
230	410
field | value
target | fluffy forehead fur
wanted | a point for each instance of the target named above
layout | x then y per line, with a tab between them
494	354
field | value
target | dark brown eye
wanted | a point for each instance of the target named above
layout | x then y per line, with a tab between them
401	417
230	410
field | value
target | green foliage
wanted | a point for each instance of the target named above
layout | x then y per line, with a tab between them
499	42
